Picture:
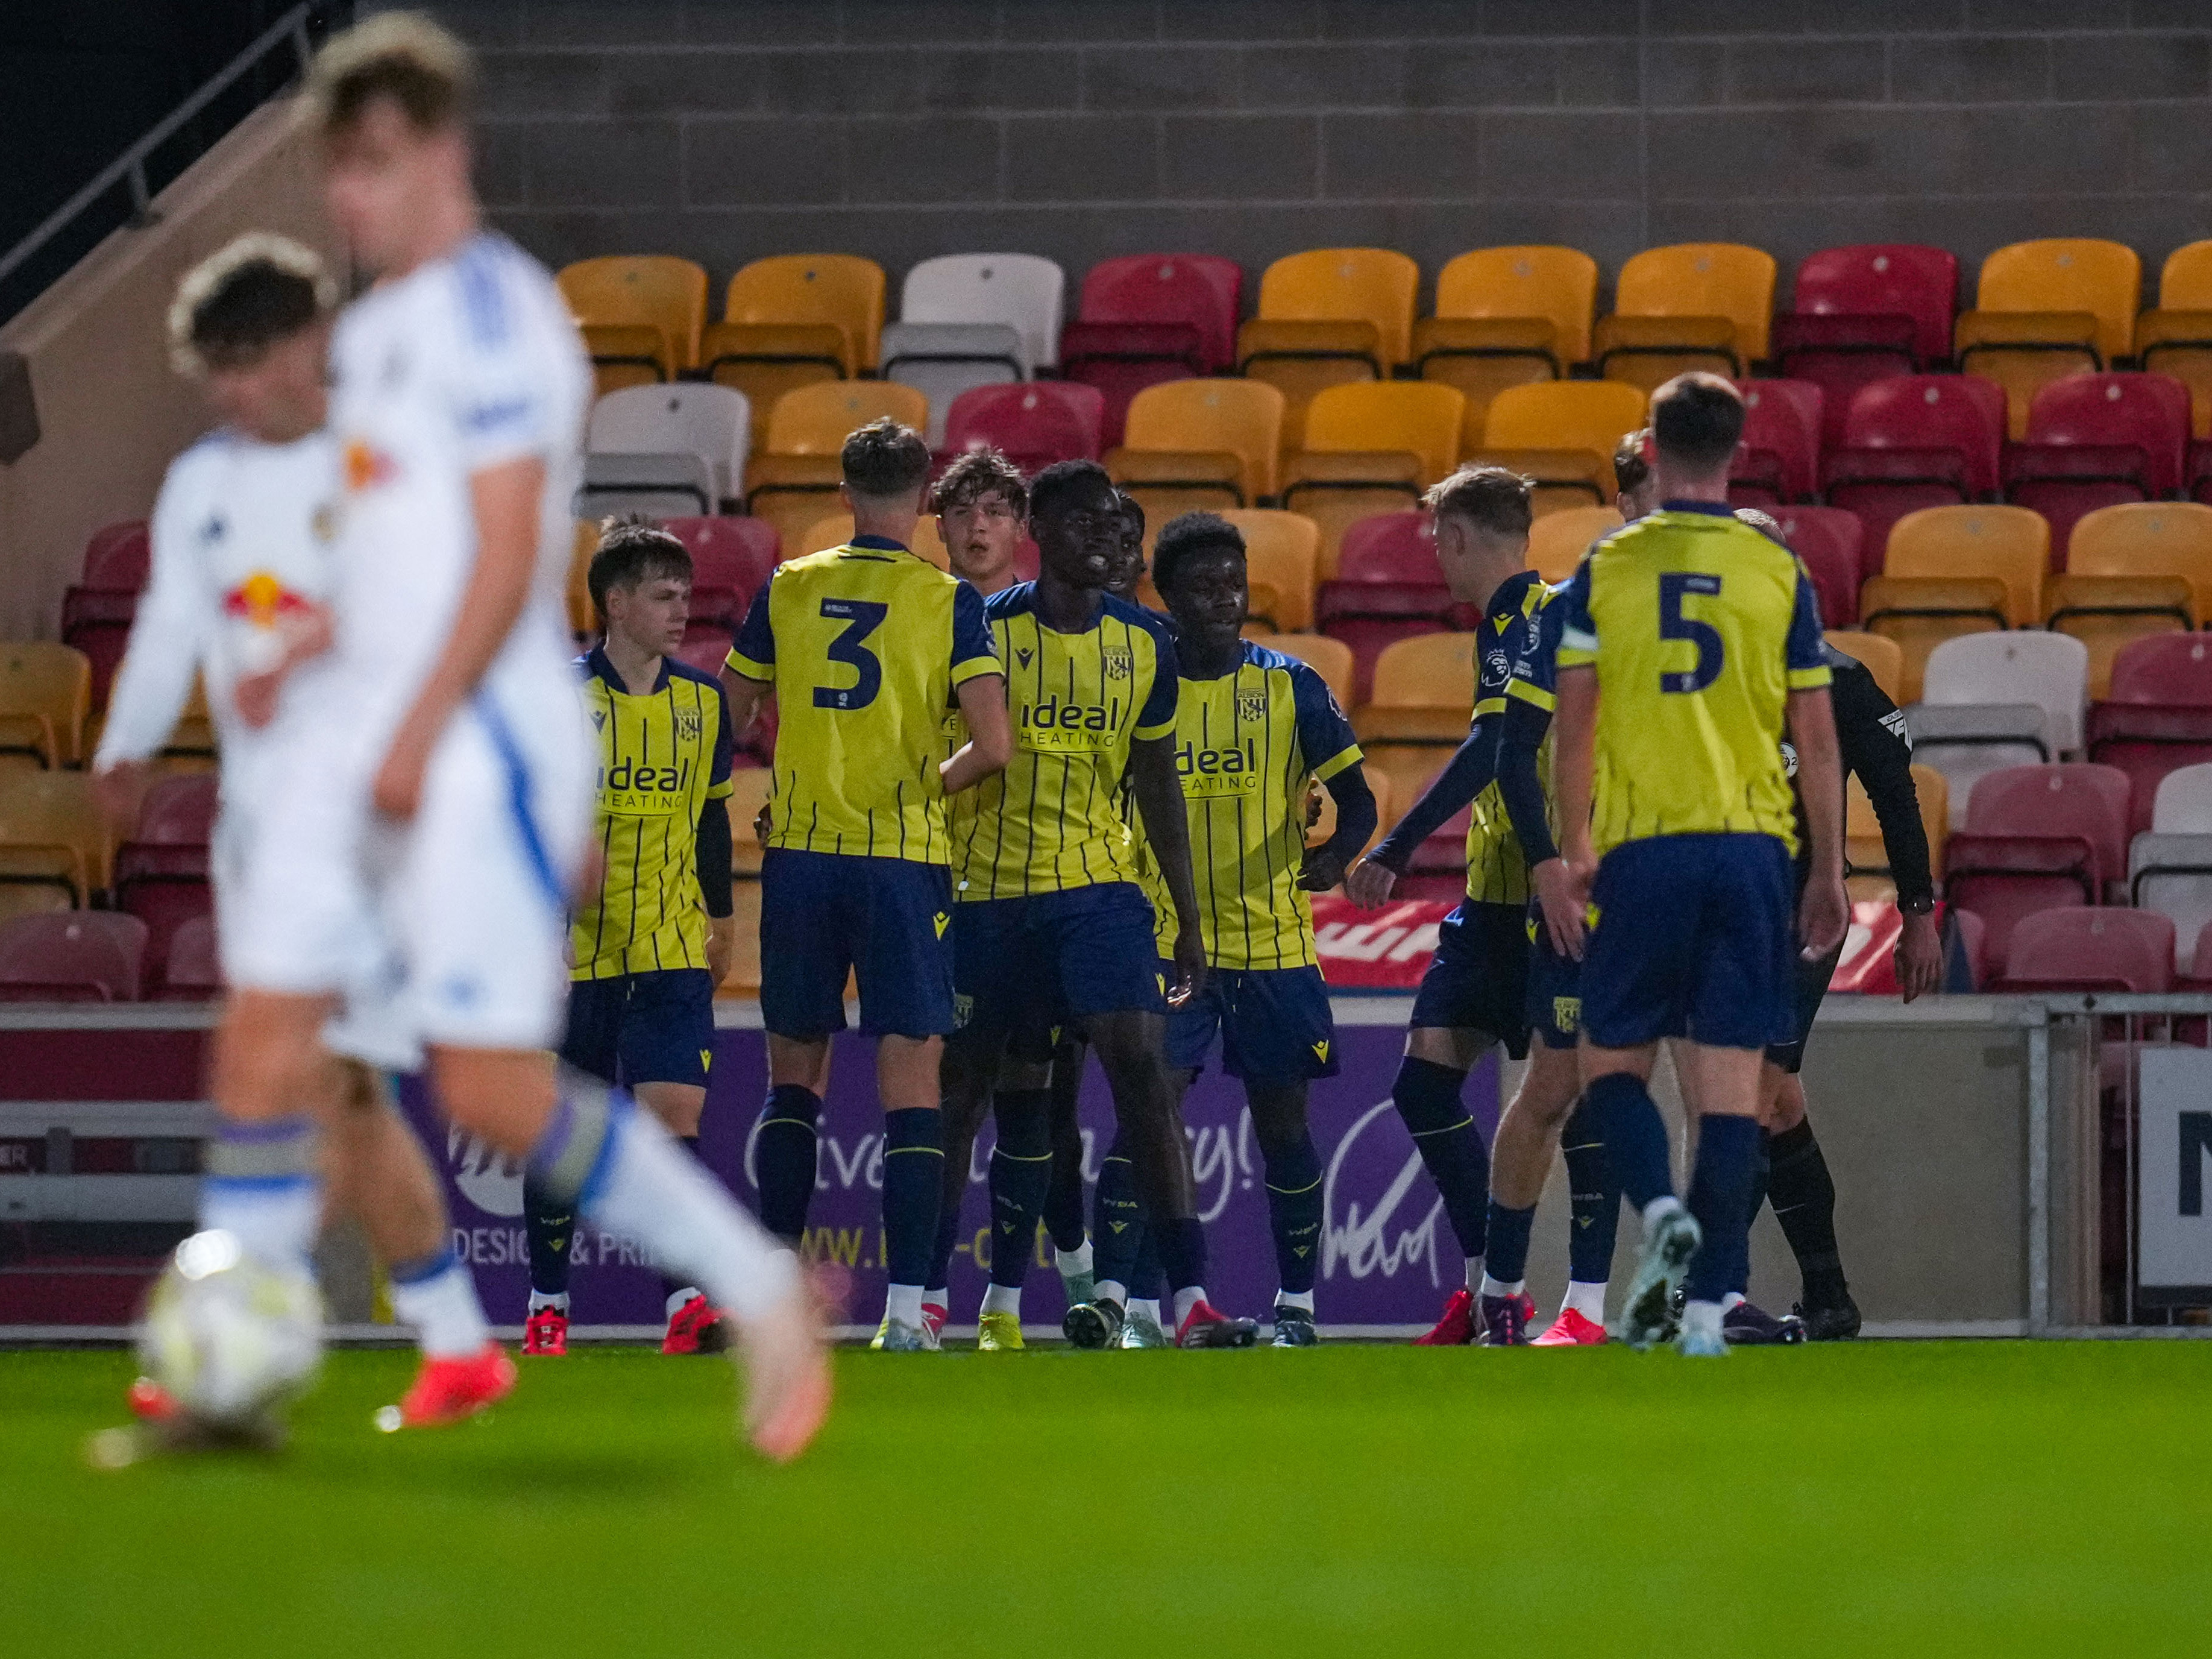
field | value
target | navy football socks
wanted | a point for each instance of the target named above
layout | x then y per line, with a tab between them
1427	1098
1021	1168
1803	1193
1293	1180
1594	1201
1507	1258
1720	1200
1063	1195
914	1183
1118	1231
1635	1136
783	1158
550	1226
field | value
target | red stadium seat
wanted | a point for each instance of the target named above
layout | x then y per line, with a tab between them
2036	838
2074	949
1438	869
730	559
1389	547
705	648
72	956
118	557
1779	456
1826	540
1885	279
2157	717
161	872
2174	669
1202	290
1918	441
1120	359
2095	441
1034	422
192	971
1389	588
98	612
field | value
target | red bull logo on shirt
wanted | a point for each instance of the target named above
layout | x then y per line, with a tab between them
1057	726
262	601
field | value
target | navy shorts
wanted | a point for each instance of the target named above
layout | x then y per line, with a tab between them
1693	936
1025	965
1812	986
642	1027
1275	1025
1555	987
884	920
1478	977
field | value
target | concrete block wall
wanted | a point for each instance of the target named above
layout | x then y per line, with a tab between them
725	130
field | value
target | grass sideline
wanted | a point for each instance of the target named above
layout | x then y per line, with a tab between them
1927	1497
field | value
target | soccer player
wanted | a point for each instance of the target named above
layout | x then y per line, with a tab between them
1636	490
1252	729
982	503
652	943
1051	928
458	762
242	567
1473	997
1688	643
864	647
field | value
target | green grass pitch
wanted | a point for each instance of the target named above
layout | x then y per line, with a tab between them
1986	1497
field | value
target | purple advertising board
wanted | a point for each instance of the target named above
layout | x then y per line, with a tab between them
1388	1255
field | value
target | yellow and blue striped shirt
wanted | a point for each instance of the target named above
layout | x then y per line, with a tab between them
1497	872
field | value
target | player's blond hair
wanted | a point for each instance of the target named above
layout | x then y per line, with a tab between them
296	288
1493	497
405	56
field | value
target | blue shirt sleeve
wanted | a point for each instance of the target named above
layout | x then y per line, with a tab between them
1805	629
1577	646
1157	718
974	647
725	740
1325	735
753	653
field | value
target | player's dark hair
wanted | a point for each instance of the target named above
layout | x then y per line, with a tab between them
234	305
1490	497
1629	465
1065	481
1696	420
975	473
1188	536
1765	523
884	460
1132	510
403	56
632	550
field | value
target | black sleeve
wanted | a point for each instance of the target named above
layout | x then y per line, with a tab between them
715	857
1525	725
1355	813
1467	774
1871	734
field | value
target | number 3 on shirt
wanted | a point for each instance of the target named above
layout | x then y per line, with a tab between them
861	617
1674	587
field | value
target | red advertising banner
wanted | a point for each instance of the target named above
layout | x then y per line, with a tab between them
1384	949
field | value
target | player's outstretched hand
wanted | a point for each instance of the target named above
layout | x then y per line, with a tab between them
1190	968
120	788
254	696
1369	884
1822	915
1919	957
1321	871
1563	913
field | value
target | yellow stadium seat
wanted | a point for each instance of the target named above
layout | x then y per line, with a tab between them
744	979
2108	613
1589	417
1330	658
750	787
1162	502
1407	770
1558	285
1650	351
1429	671
583	620
2011	544
2179	343
628	353
806	429
2148	538
1211	417
835	529
658	290
1557	541
1418	417
1283	551
46	693
53	833
1881	657
1302	360
2067	273
1703	279
2023	351
766	360
842	290
1480	359
32	899
1918	613
1863	849
1378	784
1342	284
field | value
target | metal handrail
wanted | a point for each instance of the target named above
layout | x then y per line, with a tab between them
130	165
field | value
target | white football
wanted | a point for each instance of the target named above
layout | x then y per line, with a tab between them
231	1338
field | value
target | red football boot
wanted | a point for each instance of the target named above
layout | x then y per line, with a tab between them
697	1327
932	1317
452	1390
152	1403
1456	1329
1207	1327
546	1332
1572	1330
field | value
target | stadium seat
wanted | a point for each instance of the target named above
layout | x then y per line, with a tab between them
2097	441
1779	459
1562	434
1826	540
192	971
631	291
1558	285
1917	614
1283	550
2183	804
161	872
1557	541
118	557
1120	359
1913	441
658	485
730	559
2156	717
1480	357
1647	352
1330	658
2081	950
1390	547
98	610
1370	447
46	696
2036	838
1881	657
835	529
1842	355
1035	424
1391	593
1993	701
1700	280
761	362
2021	353
1302	359
1207	434
2170	864
1422	701
795	290
1202	291
1882	280
1020	291
710	422
2149	539
794	479
943	359
1344	284
77	956
2068	274
1866	855
2007	543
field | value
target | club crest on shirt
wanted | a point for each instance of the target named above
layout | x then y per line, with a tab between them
688	725
366	465
1117	666
1251	705
323	525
